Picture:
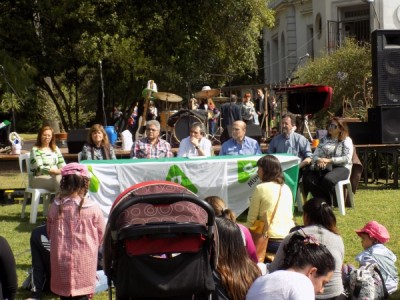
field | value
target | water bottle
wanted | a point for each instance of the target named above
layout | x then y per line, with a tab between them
16	147
111	133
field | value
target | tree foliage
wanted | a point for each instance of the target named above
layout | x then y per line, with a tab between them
348	72
177	43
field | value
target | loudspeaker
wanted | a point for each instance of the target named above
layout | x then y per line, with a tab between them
76	139
252	130
385	123
386	67
360	133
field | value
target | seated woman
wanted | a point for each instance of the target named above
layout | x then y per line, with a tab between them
98	147
331	162
235	271
308	266
46	162
265	198
320	222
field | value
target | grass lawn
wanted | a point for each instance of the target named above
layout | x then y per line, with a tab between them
371	202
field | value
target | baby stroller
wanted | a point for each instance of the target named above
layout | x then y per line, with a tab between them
160	243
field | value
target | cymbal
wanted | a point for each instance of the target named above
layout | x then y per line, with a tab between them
148	92
165	96
220	99
207	93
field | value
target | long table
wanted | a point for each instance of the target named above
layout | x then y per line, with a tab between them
233	178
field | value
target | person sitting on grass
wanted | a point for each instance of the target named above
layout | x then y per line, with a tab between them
320	222
220	209
235	271
373	237
308	266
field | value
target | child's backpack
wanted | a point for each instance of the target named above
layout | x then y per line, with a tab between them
367	283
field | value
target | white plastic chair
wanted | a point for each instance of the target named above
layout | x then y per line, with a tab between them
340	194
35	192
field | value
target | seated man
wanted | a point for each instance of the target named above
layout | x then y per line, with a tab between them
291	142
240	144
151	146
196	144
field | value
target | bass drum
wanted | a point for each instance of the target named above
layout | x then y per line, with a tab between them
182	127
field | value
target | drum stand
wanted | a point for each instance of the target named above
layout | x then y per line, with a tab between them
219	131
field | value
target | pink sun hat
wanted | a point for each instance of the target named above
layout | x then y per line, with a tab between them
75	169
375	231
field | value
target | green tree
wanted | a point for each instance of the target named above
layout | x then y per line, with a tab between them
348	72
177	43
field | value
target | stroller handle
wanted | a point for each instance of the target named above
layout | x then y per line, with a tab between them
159	199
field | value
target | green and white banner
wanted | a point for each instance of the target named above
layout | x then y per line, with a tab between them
232	178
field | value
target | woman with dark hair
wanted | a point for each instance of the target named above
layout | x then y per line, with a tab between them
319	222
307	267
46	162
264	199
331	162
98	146
235	271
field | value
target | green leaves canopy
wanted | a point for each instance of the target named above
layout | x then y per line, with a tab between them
177	43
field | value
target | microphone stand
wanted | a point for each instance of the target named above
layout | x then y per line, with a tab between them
102	92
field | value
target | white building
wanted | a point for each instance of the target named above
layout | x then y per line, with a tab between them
308	28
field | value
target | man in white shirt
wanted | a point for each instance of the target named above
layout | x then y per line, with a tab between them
196	144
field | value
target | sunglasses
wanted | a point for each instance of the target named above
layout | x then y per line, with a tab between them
333	126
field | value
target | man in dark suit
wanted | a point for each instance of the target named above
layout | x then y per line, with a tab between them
230	112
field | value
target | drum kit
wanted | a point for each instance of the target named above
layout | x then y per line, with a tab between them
181	128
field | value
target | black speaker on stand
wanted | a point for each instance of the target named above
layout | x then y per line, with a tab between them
384	122
76	139
385	49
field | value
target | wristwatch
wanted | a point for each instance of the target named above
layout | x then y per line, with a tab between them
196	147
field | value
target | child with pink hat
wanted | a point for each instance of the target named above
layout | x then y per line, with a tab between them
75	226
373	237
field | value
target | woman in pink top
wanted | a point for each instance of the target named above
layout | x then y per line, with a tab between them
219	208
75	227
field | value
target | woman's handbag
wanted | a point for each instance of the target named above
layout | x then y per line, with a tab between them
259	232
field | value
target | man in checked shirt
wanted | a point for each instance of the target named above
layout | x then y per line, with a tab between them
151	146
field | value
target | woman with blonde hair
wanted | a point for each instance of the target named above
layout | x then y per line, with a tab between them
220	209
98	146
